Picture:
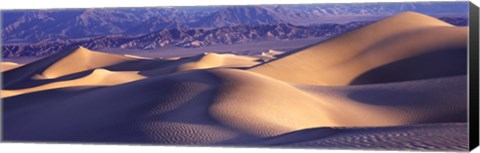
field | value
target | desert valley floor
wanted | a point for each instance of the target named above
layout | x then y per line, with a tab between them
399	83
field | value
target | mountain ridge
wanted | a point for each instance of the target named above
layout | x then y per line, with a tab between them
185	38
52	25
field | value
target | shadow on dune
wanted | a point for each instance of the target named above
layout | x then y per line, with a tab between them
290	138
17	78
428	95
455	117
20	78
408	137
169	109
30	83
390	97
137	65
31	99
58	115
148	68
155	67
442	63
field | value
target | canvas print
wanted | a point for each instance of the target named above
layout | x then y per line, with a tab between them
388	76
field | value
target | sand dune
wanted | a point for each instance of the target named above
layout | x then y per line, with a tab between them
276	107
340	60
99	77
409	137
213	60
164	109
80	60
223	99
5	66
384	84
60	65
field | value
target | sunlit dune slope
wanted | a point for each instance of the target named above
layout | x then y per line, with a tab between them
213	60
341	60
5	66
67	62
73	63
230	102
80	60
99	77
266	106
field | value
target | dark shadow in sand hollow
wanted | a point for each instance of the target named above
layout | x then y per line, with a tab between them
442	63
16	77
116	114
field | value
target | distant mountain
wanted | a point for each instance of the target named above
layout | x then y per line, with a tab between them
372	9
238	15
186	38
33	26
174	35
156	23
53	25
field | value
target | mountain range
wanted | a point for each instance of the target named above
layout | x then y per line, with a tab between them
41	32
29	26
186	38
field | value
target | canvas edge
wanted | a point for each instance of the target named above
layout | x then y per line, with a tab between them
473	76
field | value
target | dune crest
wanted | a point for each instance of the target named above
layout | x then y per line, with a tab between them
82	59
5	66
340	60
213	60
276	107
99	77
